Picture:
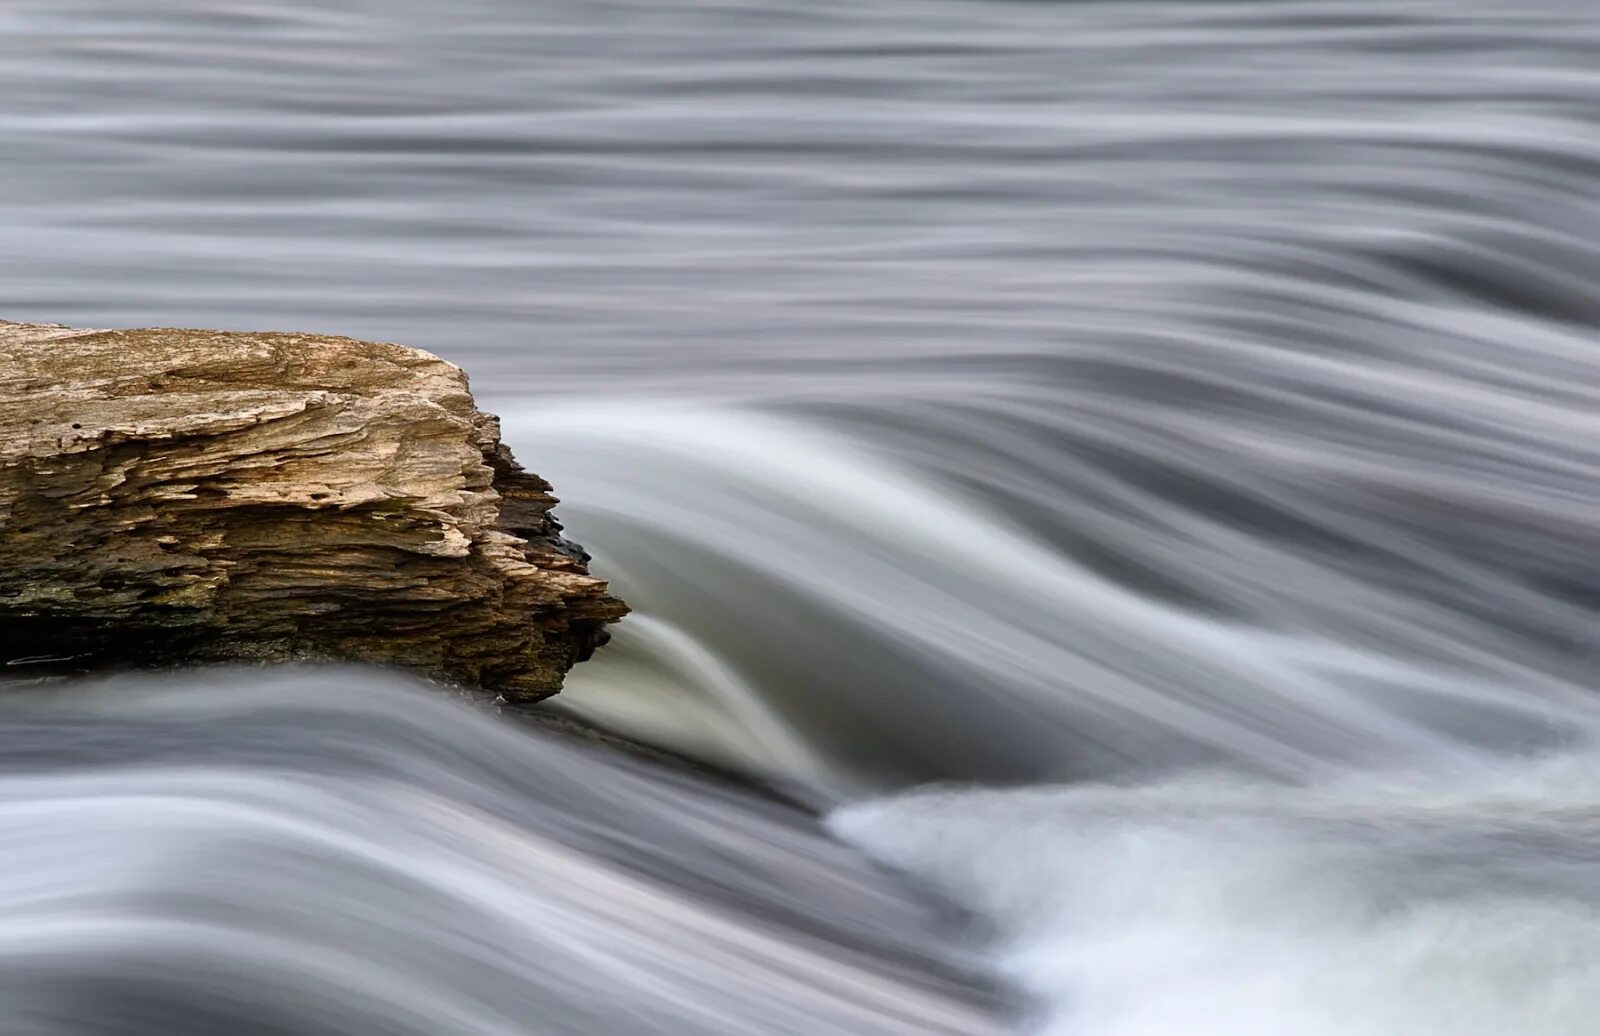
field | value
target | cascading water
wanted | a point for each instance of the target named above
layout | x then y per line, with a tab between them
1183	416
329	851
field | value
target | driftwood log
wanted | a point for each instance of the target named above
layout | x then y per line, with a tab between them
172	496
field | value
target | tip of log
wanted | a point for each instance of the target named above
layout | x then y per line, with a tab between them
173	496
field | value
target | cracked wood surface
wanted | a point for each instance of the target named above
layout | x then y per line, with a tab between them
171	496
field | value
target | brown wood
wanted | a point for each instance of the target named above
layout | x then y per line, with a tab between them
172	496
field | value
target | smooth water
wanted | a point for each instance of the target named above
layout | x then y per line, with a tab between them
1192	410
319	852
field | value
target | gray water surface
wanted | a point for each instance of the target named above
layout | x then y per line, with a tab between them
966	391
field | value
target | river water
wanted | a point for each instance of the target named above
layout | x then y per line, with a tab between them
1171	430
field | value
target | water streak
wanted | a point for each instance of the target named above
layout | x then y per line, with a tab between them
332	852
966	390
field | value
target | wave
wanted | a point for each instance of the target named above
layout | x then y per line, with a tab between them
902	629
334	851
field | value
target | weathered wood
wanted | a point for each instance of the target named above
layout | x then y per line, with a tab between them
172	496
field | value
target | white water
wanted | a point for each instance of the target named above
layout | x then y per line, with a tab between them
1359	907
1186	415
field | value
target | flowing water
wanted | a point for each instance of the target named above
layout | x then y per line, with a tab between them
1174	427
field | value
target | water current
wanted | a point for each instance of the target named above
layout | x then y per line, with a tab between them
1133	468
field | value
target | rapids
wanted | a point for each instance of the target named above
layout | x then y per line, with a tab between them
1172	427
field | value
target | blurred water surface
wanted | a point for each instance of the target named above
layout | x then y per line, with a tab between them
981	391
325	851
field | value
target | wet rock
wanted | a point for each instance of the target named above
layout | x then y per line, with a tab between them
172	496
